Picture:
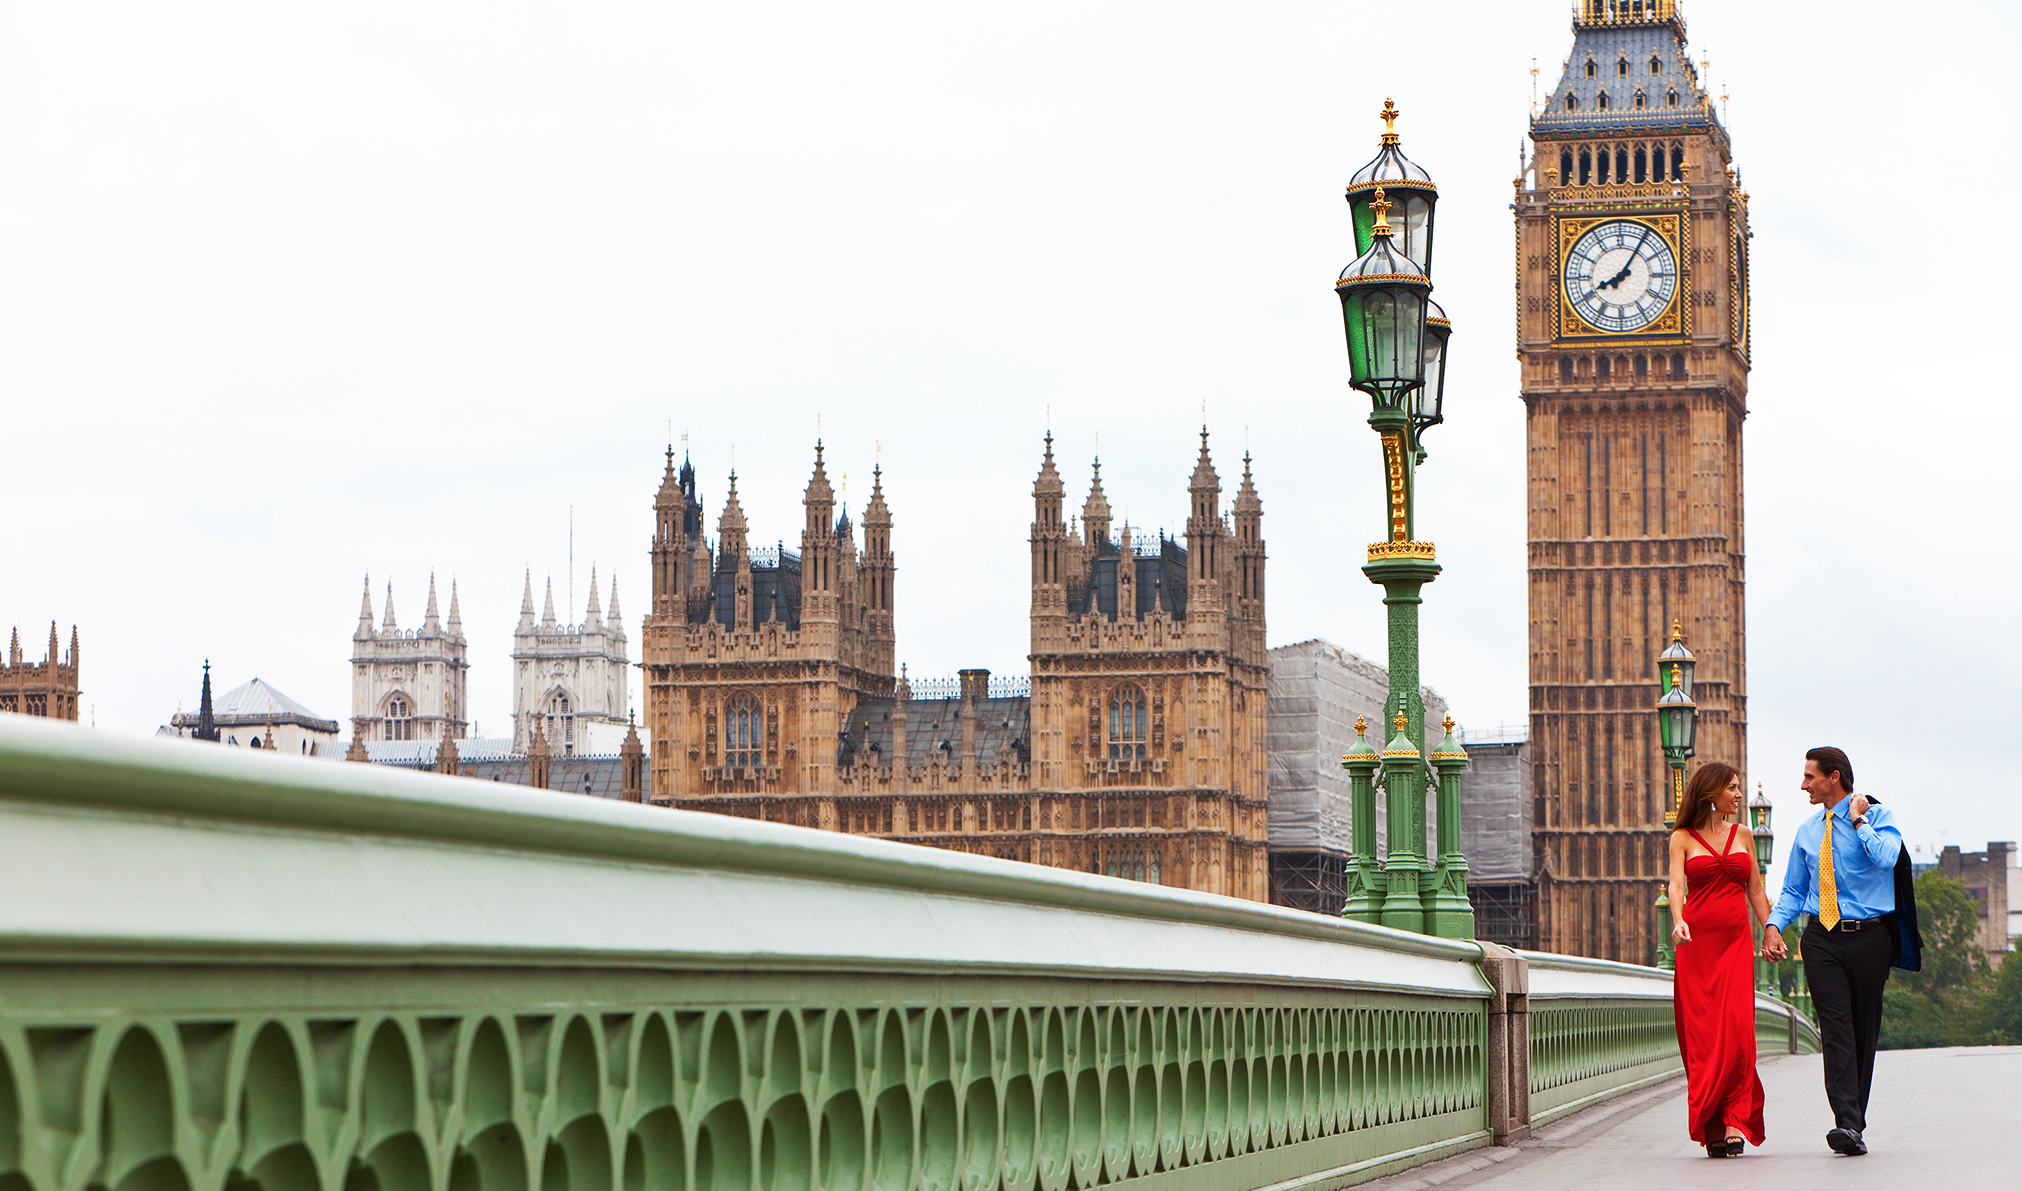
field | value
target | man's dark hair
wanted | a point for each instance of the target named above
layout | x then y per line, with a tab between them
1831	760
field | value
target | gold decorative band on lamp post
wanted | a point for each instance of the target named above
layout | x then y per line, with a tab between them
1401	549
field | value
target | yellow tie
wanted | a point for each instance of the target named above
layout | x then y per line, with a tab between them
1828	889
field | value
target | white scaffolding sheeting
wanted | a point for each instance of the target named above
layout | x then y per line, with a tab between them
1317	690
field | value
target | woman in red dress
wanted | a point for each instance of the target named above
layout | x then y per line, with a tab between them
1714	884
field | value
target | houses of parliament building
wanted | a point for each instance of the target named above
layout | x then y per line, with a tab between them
1136	748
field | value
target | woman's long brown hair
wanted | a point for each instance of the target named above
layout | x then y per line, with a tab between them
1707	782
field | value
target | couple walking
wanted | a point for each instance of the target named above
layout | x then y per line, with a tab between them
1848	870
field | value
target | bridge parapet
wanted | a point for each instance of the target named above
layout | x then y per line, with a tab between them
230	971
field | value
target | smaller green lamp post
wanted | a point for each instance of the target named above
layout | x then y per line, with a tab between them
1759	810
1365	894
1448	913
1678	727
1404	796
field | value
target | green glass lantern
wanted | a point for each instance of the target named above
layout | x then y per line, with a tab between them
1428	401
1677	659
1409	190
1759	809
1384	298
1677	716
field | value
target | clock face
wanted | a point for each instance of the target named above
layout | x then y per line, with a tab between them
1621	275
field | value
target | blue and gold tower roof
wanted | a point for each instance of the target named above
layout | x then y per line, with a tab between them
1628	69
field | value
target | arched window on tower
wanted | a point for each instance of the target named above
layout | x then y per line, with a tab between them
1657	164
1621	165
1677	365
399	718
561	727
743	733
1565	368
1601	101
1590	68
1602	176
1565	169
1640	102
1642	367
1670	99
1677	163
1127	721
1656	66
1586	166
1601	368
1572	102
1622	67
1641	157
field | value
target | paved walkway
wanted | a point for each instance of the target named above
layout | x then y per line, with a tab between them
1952	1114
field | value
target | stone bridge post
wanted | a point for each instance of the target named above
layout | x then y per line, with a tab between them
1509	1043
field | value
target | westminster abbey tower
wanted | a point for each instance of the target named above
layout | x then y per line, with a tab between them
1632	315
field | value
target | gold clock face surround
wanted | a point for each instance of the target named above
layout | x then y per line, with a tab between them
1620	276
1596	299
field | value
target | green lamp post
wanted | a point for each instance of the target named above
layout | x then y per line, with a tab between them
1678	728
1397	340
1364	902
1759	810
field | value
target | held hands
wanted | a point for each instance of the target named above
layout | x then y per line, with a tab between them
1680	933
1773	947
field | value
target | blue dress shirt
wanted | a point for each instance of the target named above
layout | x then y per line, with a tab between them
1863	865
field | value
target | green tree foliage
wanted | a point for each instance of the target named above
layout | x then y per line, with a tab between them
1940	1005
1999	1021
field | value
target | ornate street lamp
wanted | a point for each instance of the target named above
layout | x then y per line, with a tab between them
1397	356
1678	728
1759	810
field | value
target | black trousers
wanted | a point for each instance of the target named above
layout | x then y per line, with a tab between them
1847	971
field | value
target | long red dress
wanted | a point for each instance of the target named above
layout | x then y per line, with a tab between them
1713	996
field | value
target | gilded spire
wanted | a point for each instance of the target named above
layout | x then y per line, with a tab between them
1389	116
1381	206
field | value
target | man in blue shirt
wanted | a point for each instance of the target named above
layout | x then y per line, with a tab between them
1841	871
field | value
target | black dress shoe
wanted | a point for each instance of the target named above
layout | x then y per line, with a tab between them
1846	1141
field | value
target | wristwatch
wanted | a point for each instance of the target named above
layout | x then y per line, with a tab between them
1860	820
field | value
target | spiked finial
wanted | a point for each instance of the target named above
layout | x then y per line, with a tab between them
1361	726
1448	725
1677	630
1381	207
1401	721
1389	115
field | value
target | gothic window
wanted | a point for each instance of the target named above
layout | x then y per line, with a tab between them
1565	169
1127	720
1621	165
1590	69
1601	101
1586	166
743	733
1671	99
1677	162
1642	158
1603	367
1602	176
399	718
1657	163
561	726
1656	66
1639	103
1678	365
1565	368
1642	367
1622	67
1572	102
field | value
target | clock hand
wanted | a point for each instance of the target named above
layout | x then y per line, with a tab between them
1617	279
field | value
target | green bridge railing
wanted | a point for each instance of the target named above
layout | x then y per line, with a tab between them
230	971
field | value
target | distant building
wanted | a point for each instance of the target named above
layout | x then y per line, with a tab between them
256	715
1135	749
1498	808
409	685
568	675
1991	879
48	689
596	768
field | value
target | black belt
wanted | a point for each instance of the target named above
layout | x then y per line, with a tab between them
1849	925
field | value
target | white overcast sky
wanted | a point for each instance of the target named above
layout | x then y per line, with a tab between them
290	293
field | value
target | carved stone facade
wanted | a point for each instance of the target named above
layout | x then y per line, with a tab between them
48	689
1632	317
568	675
409	685
1138	752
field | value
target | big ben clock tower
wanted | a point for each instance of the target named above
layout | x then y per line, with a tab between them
1632	330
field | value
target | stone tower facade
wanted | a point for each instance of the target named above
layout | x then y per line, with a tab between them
409	685
1632	317
48	689
568	674
1135	749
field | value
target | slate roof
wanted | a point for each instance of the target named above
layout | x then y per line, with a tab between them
1607	48
491	759
1003	726
257	704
